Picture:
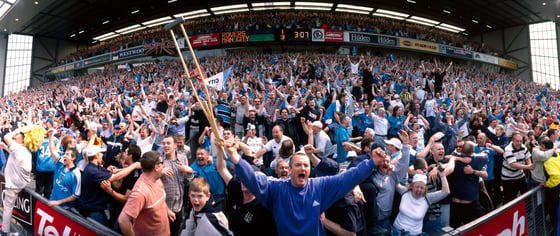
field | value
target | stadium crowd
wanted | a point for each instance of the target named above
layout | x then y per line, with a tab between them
287	19
311	144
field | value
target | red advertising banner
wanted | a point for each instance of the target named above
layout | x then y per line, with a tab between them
512	222
204	40
50	222
334	36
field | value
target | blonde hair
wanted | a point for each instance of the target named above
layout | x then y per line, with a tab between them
32	139
199	185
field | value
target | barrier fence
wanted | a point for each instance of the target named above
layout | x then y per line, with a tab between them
523	216
32	213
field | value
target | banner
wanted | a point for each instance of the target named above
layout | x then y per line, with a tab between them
219	80
39	219
507	63
513	221
97	60
455	51
204	40
245	36
128	53
419	45
485	58
327	35
367	38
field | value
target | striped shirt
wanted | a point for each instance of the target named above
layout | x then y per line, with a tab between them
512	155
224	111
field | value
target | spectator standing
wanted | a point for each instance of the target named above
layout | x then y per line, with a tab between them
146	204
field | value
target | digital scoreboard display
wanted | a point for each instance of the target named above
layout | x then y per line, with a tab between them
294	35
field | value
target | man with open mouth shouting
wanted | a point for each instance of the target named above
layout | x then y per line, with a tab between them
298	202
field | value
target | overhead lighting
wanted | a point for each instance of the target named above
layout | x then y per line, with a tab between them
474	21
156	20
133	30
127	28
424	20
105	35
191	13
353	7
5	30
271	8
81	32
4	9
393	13
447	29
465	33
17	19
314	4
106	22
12	1
411	1
419	22
108	37
196	16
135	11
171	1
36	3
352	11
160	23
446	11
452	27
73	35
270	4
388	16
94	41
313	8
231	11
229	7
544	3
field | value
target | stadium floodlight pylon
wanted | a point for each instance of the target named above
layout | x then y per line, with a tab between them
206	104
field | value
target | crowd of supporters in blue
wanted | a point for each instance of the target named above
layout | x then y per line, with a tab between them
287	19
311	144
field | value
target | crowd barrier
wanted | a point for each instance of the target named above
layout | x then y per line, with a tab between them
34	215
522	216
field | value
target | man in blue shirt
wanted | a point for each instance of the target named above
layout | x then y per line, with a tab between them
298	202
203	168
94	202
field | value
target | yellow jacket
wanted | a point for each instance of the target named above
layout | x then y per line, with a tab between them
552	167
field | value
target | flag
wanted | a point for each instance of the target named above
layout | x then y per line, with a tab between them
198	78
159	48
219	81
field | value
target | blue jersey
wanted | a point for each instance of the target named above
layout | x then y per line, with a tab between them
211	175
45	162
66	183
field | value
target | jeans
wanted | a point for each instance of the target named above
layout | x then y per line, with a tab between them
432	225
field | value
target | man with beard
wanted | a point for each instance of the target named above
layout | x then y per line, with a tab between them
298	203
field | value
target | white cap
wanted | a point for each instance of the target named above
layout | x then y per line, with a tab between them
93	150
420	178
395	142
396	96
318	124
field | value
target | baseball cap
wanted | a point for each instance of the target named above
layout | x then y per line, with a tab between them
318	124
419	178
93	150
396	96
395	142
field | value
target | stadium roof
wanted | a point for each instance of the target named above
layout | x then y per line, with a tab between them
84	20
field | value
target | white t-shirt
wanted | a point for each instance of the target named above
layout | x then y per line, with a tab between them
18	167
144	144
273	146
256	144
